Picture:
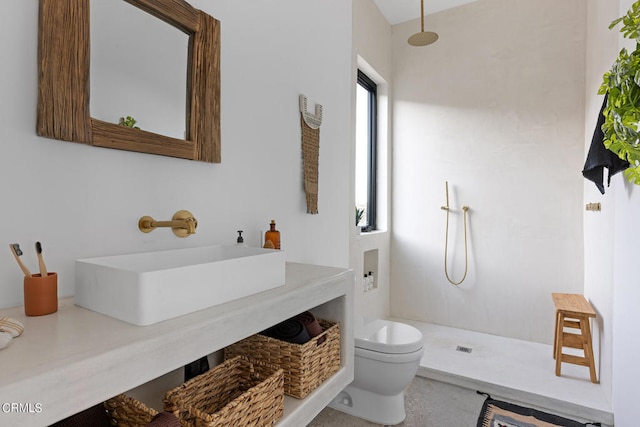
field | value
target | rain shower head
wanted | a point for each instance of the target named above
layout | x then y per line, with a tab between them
423	38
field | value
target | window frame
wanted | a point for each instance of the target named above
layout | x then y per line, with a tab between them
372	133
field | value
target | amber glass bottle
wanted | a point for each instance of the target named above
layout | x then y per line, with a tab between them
273	235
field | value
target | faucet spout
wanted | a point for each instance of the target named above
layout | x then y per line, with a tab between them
183	224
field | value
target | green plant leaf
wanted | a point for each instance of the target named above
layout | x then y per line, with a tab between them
128	122
359	215
633	174
622	83
615	22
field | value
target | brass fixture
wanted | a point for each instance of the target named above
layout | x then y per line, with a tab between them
183	224
423	38
595	207
465	210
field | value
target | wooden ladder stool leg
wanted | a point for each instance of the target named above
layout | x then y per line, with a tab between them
559	338
558	342
555	336
588	348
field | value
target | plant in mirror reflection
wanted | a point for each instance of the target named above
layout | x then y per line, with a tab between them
128	122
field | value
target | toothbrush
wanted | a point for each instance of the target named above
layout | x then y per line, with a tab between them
15	250
43	267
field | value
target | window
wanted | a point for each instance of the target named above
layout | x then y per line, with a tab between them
366	149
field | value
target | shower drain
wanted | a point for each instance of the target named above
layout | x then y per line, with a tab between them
464	349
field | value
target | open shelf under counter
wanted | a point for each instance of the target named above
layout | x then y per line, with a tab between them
73	359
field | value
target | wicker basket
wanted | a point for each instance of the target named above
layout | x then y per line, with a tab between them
238	392
126	411
305	366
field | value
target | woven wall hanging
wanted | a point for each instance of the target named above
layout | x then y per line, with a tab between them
310	130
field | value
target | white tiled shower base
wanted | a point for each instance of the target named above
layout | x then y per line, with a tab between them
513	370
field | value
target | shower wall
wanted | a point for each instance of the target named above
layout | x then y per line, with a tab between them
495	107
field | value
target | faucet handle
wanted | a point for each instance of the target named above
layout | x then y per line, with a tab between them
189	221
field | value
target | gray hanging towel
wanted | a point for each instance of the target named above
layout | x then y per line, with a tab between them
600	157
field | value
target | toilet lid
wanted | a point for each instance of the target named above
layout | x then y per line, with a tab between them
385	336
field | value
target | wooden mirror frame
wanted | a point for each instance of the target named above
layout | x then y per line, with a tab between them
63	81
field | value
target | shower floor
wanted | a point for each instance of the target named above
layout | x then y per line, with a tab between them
510	369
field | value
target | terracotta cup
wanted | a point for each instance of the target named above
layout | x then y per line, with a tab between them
41	294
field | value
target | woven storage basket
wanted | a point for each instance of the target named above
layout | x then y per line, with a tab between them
305	366
238	392
126	411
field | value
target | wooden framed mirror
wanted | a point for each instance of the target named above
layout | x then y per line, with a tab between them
63	81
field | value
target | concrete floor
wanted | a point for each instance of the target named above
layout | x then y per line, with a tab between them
428	403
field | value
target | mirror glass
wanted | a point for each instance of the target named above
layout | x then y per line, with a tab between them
135	72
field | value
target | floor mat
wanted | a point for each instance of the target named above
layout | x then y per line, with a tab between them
496	413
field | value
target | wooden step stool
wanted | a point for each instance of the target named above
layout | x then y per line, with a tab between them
573	311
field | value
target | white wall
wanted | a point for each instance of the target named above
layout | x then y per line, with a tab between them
602	48
626	299
372	54
611	279
495	107
82	201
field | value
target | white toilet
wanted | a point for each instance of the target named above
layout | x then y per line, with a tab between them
387	357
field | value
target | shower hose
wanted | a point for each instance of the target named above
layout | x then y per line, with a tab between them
446	245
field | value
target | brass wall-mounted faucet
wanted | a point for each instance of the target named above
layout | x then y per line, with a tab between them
183	224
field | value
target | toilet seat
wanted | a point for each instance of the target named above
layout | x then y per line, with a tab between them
385	336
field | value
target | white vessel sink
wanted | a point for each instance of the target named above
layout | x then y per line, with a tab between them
149	287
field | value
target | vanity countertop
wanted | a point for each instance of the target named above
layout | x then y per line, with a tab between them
75	358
